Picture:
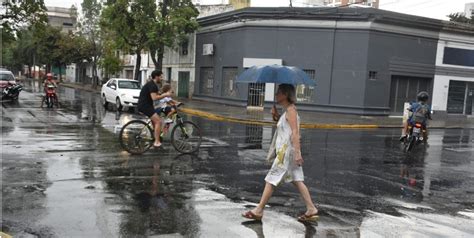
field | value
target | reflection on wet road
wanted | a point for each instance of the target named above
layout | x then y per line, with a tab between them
65	175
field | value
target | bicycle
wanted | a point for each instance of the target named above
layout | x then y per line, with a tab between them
137	136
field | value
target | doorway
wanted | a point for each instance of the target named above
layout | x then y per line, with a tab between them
404	89
183	84
460	97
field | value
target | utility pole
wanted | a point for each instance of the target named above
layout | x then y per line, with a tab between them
291	3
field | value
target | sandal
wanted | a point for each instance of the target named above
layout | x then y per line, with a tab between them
250	215
305	218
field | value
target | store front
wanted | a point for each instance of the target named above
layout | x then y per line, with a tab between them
460	97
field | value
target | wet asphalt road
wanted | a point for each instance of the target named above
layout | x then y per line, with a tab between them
65	175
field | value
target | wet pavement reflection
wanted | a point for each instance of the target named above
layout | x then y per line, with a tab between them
65	175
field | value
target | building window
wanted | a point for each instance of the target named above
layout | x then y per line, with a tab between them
372	75
228	77
457	56
207	80
169	74
184	47
67	24
304	93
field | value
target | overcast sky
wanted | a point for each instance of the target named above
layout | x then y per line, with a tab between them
427	8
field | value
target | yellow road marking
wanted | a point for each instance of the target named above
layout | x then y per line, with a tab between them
216	117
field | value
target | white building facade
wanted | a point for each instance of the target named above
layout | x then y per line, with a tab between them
453	89
469	10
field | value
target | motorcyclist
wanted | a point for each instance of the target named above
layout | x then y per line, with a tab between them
50	82
420	112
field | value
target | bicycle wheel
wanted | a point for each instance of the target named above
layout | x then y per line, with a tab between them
186	137
136	137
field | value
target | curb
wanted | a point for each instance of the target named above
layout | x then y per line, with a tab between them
216	117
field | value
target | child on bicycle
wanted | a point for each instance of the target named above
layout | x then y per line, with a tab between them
166	105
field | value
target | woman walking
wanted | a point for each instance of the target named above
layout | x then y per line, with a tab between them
287	160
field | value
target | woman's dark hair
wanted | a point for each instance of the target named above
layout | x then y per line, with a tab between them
289	91
156	73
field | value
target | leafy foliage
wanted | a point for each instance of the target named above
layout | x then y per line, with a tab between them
18	14
461	18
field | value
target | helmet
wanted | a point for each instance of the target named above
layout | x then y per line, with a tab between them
423	96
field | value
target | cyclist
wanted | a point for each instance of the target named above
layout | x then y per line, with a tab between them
149	93
420	113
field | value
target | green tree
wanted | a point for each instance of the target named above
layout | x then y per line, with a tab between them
46	39
461	18
129	24
8	59
174	21
23	51
70	49
16	14
110	62
90	29
55	48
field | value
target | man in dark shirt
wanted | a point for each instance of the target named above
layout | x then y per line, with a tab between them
148	94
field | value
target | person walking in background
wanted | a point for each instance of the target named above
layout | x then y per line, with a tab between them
286	156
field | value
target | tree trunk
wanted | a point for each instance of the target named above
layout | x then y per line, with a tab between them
34	65
137	65
29	71
161	47
153	58
158	59
60	74
95	79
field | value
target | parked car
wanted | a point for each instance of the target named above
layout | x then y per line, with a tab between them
121	92
6	77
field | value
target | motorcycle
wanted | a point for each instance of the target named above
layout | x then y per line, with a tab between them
51	97
12	91
415	136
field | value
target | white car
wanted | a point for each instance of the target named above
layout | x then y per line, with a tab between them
121	92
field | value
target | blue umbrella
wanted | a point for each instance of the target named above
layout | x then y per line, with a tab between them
275	74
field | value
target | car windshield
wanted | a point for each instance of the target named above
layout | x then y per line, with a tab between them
128	85
6	77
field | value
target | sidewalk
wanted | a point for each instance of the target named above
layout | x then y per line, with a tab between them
222	112
217	111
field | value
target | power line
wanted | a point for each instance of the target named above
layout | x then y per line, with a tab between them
425	3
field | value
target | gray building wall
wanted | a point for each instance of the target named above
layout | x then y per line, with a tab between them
349	69
309	49
366	61
342	59
396	54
